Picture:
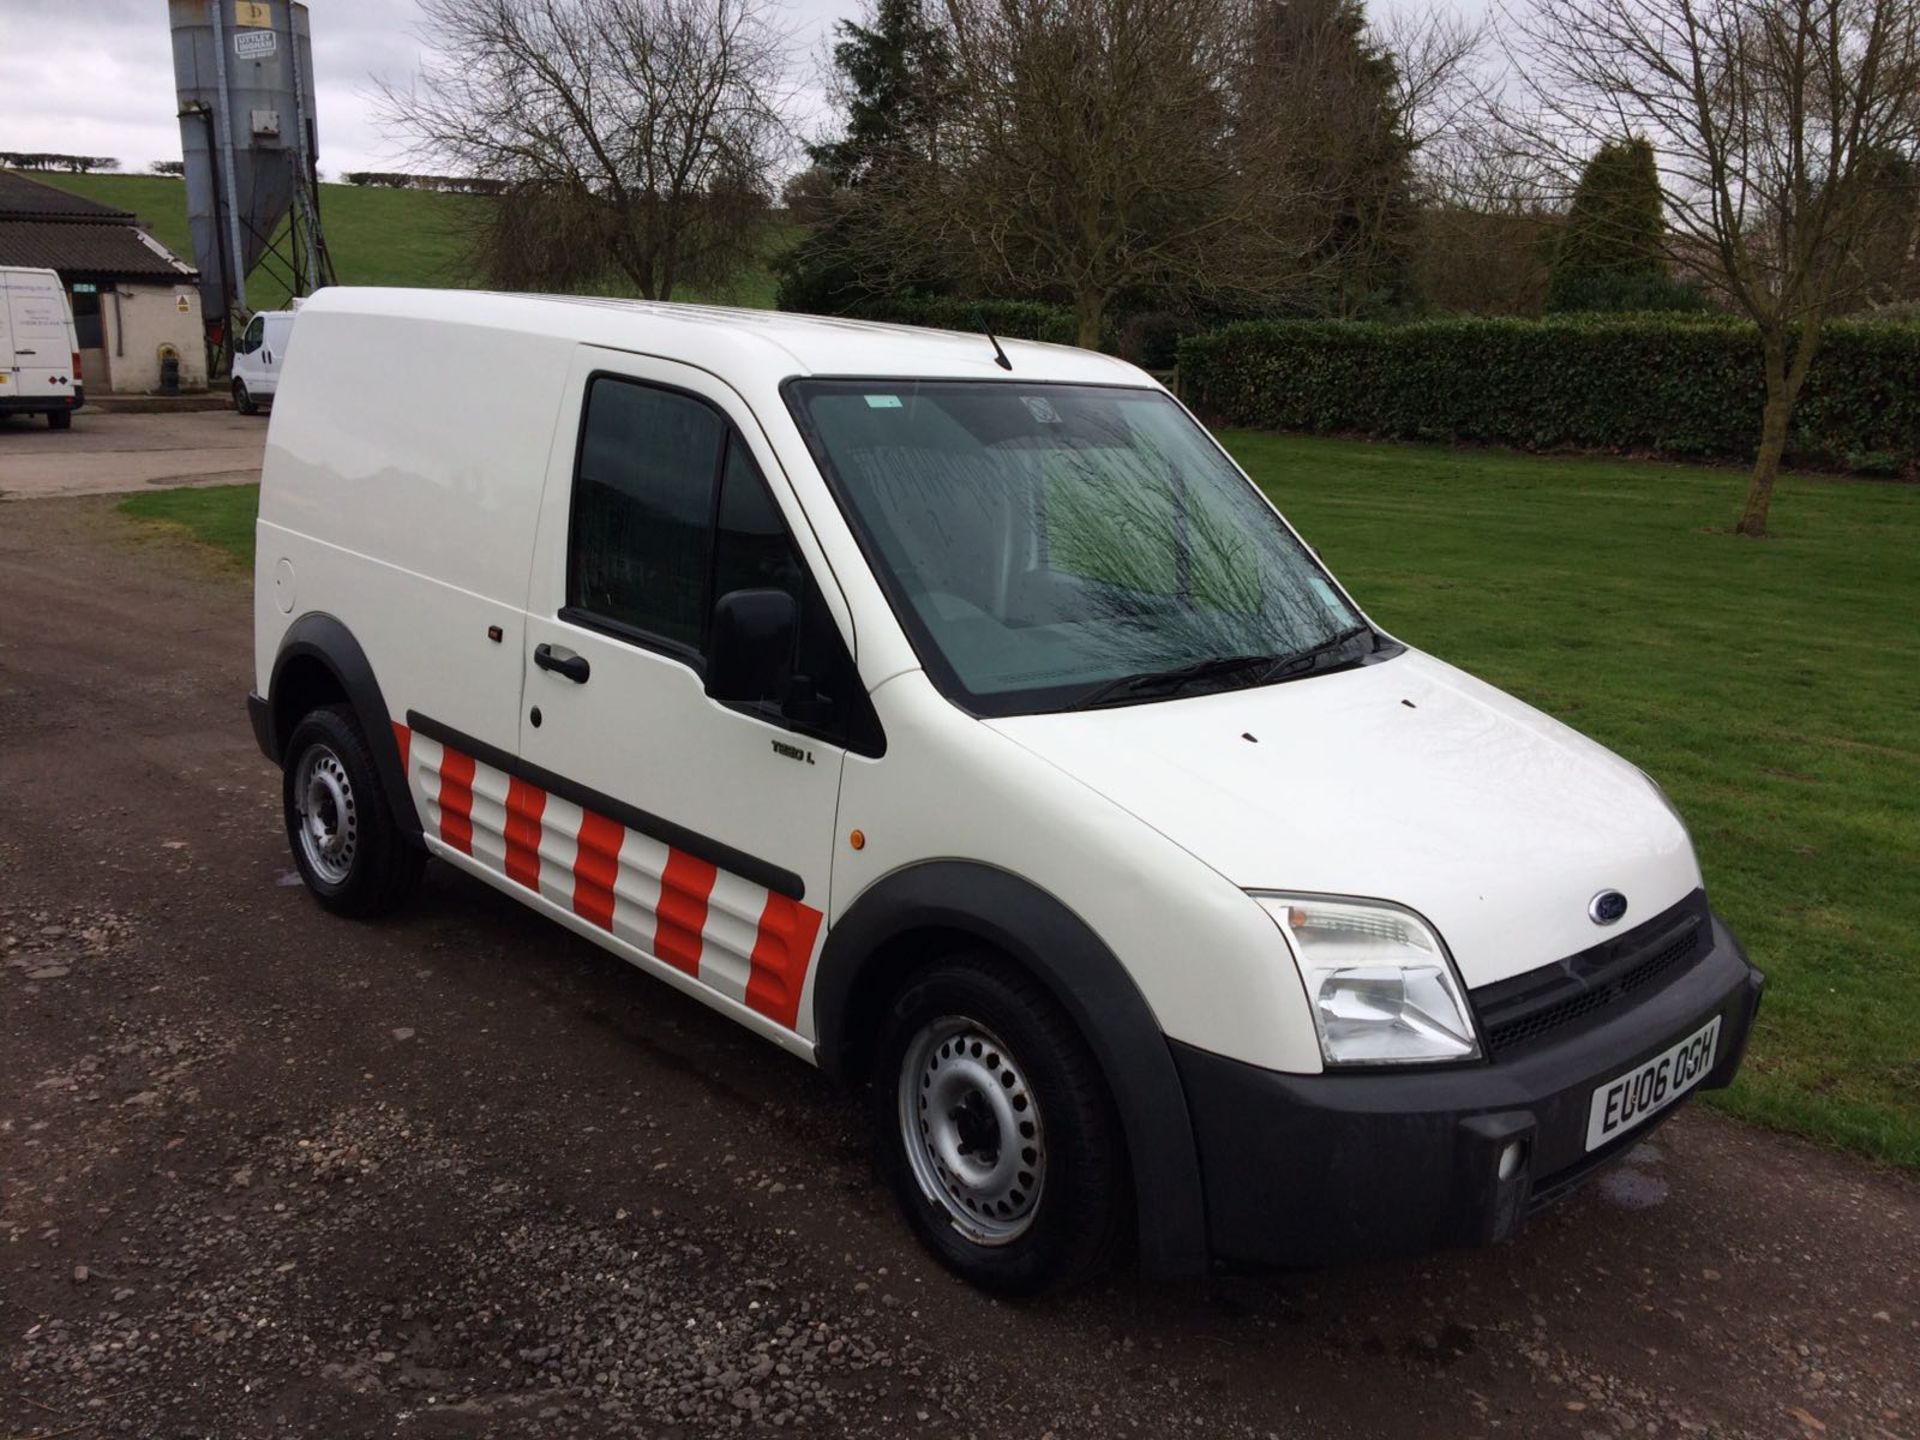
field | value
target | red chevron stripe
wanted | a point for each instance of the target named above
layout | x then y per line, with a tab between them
684	889
595	867
781	953
525	804
456	799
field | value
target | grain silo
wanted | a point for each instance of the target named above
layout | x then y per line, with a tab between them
244	72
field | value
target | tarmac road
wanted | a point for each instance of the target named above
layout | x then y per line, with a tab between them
265	1172
113	451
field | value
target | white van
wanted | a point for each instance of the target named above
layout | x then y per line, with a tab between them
257	357
961	719
39	348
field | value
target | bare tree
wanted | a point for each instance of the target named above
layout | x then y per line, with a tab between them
1097	147
1436	90
632	138
1773	121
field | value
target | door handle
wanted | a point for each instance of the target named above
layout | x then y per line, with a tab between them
574	667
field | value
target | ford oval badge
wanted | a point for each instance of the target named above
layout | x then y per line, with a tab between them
1606	907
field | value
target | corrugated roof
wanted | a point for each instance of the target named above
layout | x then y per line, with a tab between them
118	252
22	198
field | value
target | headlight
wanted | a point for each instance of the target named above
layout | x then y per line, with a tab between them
1382	990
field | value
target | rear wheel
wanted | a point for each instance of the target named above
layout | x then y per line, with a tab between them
346	844
60	419
242	401
996	1129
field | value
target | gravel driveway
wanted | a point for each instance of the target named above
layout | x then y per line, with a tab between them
267	1173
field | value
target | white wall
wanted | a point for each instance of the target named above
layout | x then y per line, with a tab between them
141	319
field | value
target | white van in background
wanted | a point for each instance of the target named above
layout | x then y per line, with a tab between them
39	351
257	358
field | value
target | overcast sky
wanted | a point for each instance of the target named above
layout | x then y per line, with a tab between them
95	77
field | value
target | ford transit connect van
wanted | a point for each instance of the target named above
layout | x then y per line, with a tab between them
959	718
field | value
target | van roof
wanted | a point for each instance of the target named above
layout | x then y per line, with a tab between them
770	344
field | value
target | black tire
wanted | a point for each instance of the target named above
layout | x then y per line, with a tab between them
242	401
60	419
365	867
1077	1213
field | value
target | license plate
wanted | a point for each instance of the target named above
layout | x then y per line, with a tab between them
1621	1104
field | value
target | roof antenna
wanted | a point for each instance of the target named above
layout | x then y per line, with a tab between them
999	355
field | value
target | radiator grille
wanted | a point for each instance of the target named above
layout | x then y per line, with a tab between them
1583	989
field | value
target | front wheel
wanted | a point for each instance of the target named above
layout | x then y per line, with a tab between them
242	400
997	1131
345	843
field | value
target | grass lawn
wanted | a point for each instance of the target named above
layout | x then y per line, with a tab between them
381	237
217	515
1772	687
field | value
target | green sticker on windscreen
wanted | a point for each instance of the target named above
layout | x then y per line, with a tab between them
884	402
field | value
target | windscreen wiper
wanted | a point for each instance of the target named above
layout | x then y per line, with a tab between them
1170	682
1310	659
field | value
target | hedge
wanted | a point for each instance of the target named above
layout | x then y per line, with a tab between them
1679	387
1009	319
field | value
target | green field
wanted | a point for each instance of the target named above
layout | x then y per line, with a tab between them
376	237
1772	687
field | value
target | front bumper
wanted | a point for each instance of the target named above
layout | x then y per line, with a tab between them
1318	1169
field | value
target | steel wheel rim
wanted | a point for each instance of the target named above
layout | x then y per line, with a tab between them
329	821
971	1127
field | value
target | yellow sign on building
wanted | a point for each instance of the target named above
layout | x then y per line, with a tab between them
252	12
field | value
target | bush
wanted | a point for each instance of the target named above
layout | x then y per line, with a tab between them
1151	339
1627	294
813	276
1682	387
1008	319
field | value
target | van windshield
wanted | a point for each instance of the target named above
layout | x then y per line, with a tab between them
1049	546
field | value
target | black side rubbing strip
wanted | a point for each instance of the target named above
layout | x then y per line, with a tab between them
749	867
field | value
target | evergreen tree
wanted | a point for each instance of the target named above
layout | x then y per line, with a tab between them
892	75
1612	253
893	72
1315	62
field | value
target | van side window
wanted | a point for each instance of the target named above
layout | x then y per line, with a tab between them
250	341
642	508
751	550
670	512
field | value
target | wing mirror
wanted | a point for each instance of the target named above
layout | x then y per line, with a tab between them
750	652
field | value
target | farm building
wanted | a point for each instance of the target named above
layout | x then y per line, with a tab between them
132	297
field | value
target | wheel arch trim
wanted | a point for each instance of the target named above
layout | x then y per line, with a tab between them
324	639
1037	931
